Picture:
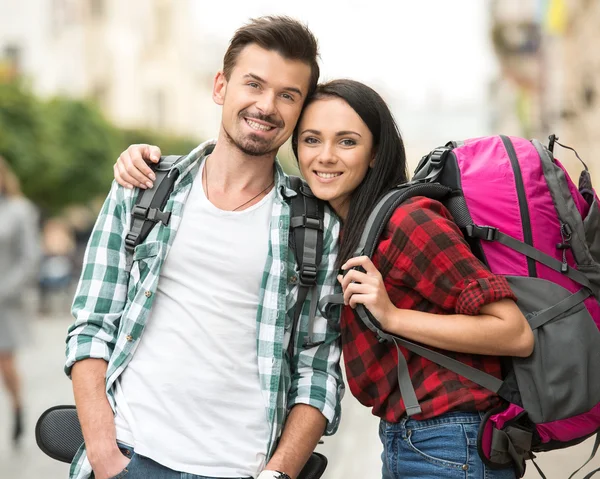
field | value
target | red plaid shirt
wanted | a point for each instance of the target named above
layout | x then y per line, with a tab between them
427	266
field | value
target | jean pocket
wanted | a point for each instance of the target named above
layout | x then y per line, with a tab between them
130	455
444	445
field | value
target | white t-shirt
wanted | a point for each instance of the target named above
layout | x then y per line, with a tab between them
190	399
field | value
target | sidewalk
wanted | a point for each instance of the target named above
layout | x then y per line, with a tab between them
353	453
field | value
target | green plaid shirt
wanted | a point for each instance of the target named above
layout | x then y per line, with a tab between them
111	306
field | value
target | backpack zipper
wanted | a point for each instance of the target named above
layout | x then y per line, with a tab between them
525	218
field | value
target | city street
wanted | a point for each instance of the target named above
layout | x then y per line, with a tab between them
353	453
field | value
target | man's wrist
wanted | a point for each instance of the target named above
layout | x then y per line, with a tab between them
268	474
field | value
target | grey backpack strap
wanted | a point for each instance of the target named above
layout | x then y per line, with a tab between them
149	205
489	233
306	238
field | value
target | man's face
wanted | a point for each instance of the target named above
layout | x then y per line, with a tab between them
261	100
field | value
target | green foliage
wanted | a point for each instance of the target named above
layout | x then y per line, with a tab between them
63	149
169	145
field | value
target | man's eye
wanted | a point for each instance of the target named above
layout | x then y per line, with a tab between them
253	85
287	96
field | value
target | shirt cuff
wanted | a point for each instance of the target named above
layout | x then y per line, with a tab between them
482	291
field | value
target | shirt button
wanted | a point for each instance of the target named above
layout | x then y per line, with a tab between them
148	294
281	223
293	279
129	337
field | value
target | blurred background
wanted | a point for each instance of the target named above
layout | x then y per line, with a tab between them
82	79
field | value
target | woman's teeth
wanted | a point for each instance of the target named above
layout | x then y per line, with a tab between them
327	175
258	126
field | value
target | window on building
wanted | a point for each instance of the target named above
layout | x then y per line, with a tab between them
97	8
12	56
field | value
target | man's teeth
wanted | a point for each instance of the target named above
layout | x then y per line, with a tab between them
258	126
327	175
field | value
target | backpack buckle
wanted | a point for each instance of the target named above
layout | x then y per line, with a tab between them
488	233
155	215
308	274
438	156
131	239
307	222
313	223
140	212
151	214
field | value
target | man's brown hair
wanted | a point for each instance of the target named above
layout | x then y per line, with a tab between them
284	35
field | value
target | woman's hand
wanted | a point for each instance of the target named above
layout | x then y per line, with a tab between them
366	288
131	168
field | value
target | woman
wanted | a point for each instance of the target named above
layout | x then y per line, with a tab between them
19	252
423	284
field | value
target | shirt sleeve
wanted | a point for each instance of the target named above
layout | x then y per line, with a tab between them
427	258
102	290
316	374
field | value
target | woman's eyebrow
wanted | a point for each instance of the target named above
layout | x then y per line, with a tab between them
314	132
348	132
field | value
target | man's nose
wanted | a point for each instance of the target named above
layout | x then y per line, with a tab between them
266	103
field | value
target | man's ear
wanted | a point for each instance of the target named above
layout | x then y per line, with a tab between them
219	88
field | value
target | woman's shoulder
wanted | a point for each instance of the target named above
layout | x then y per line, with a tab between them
421	213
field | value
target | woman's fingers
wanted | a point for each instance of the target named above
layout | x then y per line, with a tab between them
134	161
120	179
356	289
363	262
124	178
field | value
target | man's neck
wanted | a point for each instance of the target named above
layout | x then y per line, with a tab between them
232	170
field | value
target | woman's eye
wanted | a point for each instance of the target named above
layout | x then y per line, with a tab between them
348	142
310	140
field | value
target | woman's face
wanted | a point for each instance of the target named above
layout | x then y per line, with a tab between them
335	151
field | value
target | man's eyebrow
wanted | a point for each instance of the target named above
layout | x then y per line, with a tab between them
262	80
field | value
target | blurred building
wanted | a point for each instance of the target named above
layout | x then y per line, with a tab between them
549	55
142	61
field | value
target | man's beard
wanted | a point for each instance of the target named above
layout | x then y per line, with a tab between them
254	145
251	145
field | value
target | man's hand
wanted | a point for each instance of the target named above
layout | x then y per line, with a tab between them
107	463
131	168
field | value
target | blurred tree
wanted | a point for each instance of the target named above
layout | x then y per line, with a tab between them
63	149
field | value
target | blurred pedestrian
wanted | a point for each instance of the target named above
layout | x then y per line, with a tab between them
57	266
19	252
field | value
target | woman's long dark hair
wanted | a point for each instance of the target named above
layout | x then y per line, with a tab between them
389	168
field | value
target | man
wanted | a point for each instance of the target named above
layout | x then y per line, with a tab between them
184	359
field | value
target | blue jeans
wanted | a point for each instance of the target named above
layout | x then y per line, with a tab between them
444	447
141	467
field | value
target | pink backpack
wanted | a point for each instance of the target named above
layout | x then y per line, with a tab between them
526	220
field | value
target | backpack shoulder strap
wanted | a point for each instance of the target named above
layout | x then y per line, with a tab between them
149	205
306	238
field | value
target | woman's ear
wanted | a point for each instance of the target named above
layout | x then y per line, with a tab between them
372	162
